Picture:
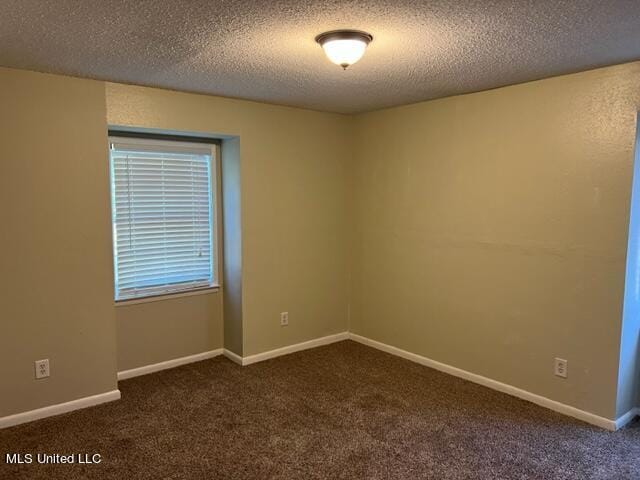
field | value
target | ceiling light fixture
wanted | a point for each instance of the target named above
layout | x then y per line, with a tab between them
344	47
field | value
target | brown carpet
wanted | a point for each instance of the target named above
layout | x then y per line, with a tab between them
344	411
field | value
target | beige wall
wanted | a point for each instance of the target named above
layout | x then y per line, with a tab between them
486	231
492	230
59	296
55	241
294	169
170	328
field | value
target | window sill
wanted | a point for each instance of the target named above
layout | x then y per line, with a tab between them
167	296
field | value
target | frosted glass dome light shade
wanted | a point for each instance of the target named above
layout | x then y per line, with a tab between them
344	47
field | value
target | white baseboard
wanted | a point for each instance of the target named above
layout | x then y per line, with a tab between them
176	362
234	357
58	409
317	342
622	420
499	386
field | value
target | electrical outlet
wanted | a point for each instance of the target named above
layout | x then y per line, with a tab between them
42	368
560	368
284	319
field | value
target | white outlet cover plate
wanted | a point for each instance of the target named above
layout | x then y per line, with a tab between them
561	366
42	368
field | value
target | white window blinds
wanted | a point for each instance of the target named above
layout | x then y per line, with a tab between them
163	216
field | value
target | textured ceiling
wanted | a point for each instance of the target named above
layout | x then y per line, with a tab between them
265	50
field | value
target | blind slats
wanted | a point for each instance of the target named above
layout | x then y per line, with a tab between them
162	207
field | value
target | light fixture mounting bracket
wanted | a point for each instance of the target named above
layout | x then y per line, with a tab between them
344	35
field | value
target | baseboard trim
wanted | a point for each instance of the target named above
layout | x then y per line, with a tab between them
90	401
568	410
58	409
622	420
259	357
234	357
278	352
176	362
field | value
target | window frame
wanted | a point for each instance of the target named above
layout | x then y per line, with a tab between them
215	196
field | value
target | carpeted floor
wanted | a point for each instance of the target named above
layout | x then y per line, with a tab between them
344	411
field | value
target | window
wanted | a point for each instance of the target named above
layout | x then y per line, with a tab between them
163	201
